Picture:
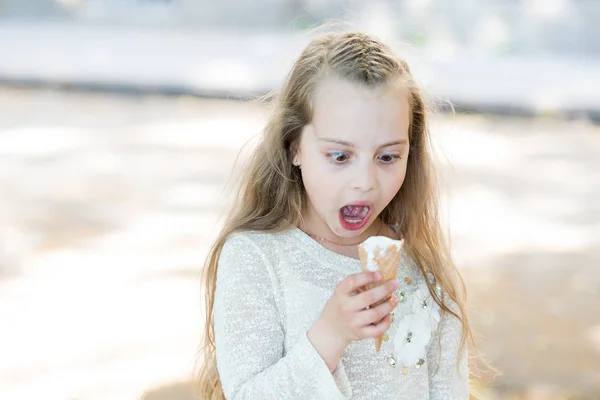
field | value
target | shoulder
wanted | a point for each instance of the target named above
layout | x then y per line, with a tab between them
253	246
249	258
257	241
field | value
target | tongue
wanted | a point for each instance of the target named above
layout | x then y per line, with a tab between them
352	211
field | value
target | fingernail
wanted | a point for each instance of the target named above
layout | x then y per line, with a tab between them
377	276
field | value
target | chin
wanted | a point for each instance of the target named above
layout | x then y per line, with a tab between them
344	233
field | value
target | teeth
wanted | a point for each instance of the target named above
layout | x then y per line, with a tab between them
353	221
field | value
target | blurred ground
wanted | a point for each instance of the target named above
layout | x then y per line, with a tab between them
108	204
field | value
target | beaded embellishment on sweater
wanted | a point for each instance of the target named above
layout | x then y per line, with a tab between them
413	331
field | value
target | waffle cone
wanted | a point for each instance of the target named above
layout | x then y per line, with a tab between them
387	261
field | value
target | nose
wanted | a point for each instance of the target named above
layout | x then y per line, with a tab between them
365	177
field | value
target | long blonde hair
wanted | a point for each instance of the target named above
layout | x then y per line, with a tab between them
271	194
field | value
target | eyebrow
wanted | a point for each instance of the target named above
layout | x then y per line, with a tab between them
348	144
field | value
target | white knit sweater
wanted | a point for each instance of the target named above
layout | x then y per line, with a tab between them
270	290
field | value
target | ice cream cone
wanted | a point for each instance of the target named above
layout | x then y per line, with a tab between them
380	254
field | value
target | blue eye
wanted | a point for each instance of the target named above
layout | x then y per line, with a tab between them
338	157
388	158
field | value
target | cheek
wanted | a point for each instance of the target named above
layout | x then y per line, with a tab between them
322	186
393	183
317	181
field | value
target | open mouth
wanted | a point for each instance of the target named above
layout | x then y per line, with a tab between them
354	217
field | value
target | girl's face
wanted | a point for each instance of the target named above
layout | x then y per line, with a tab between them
353	156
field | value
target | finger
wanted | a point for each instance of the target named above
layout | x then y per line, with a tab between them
355	282
370	297
375	330
376	314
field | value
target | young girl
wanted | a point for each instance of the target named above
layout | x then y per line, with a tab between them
345	156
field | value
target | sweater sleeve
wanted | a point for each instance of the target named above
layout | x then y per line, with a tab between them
445	381
249	336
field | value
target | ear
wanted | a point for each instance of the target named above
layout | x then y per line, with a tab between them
295	154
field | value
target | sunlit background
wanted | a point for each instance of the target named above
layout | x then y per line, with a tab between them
120	121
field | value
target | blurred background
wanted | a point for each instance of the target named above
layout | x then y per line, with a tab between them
120	121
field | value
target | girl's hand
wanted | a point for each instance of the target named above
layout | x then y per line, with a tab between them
348	315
